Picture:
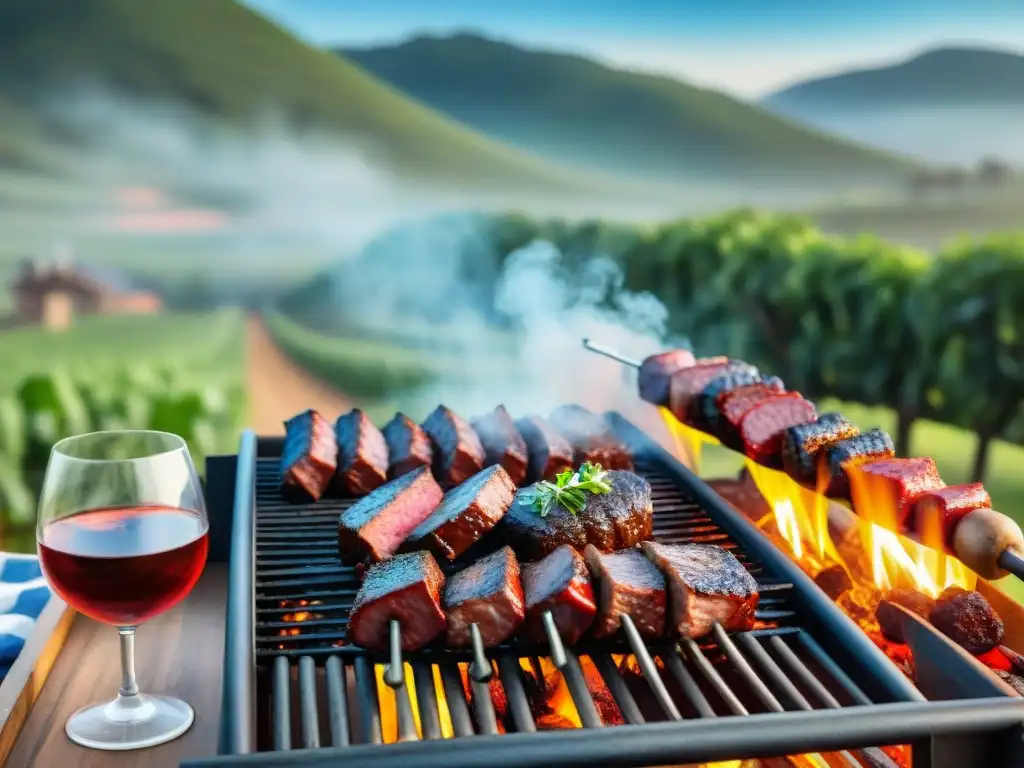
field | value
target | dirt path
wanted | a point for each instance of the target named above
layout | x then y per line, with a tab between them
278	389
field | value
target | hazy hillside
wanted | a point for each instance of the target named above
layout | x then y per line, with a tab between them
227	63
948	104
577	110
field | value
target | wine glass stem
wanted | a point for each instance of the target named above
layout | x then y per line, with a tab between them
128	685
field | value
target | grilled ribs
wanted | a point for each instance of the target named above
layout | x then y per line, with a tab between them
458	454
502	443
308	458
376	525
707	585
362	454
489	594
629	584
466	513
407	588
559	583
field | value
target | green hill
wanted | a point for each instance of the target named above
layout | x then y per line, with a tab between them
577	110
942	77
230	64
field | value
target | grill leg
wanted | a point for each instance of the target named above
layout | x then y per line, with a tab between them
1001	749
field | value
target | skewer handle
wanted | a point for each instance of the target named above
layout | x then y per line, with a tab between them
1013	561
480	670
601	349
394	675
558	657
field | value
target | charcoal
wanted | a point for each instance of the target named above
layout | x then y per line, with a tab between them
967	619
889	620
802	444
1014	681
834	581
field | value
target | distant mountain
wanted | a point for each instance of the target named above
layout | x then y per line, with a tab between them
577	110
232	65
948	104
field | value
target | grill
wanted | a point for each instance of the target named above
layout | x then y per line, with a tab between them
806	679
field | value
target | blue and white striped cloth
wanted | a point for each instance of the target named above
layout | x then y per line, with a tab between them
23	595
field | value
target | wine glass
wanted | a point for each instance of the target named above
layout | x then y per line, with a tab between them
122	535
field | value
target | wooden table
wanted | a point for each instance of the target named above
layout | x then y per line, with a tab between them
180	653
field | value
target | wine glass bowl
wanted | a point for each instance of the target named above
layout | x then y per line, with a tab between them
122	537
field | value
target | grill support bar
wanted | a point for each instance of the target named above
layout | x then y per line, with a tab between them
974	733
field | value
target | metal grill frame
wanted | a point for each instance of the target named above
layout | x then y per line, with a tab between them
979	731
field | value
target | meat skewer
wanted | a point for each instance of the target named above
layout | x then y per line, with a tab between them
986	541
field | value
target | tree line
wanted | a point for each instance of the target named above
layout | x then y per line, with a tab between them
936	336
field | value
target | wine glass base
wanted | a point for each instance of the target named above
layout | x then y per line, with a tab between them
150	720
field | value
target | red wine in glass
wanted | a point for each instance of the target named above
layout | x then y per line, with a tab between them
123	566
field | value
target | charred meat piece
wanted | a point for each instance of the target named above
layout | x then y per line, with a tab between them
733	404
656	373
853	451
937	512
763	425
466	513
308	458
559	583
889	620
967	619
502	443
408	588
590	437
880	488
408	445
532	536
549	452
362	454
705	405
1014	681
627	583
707	585
458	454
377	524
688	382
488	594
802	445
627	508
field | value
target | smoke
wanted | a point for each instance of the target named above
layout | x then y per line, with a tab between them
500	331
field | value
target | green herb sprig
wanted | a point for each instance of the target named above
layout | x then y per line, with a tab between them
568	489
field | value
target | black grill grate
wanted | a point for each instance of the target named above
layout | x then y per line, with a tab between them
303	596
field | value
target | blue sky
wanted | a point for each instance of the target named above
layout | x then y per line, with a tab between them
748	47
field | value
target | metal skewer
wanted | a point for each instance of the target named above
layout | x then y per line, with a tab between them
601	349
480	670
649	668
558	657
394	674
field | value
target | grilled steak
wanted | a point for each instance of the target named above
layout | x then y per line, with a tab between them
408	588
890	622
590	437
936	512
802	445
502	443
408	445
733	404
627	583
488	594
467	512
968	619
549	452
851	452
704	407
707	585
308	458
656	374
532	536
559	583
458	454
881	488
762	426
362	454
627	510
376	524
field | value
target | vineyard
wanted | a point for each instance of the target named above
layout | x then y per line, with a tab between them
176	373
934	343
